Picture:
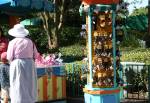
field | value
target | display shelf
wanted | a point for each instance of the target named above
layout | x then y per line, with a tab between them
103	53
102	58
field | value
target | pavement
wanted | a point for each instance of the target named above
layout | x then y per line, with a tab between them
81	100
75	100
133	101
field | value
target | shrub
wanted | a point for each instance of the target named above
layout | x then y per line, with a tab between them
136	55
70	36
130	41
72	53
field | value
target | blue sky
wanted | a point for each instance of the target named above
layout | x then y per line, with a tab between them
142	3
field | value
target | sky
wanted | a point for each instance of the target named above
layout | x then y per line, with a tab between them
142	3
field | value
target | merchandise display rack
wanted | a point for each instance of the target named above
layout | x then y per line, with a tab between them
103	53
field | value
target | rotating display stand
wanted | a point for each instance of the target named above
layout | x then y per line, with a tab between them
103	53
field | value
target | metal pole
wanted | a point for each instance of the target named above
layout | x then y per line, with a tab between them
73	79
148	83
90	44
114	46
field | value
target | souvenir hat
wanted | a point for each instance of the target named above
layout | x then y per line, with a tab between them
3	57
18	31
102	16
102	20
95	33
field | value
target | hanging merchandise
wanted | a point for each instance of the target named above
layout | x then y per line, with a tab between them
102	47
103	52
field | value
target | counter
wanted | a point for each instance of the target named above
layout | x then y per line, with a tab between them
51	83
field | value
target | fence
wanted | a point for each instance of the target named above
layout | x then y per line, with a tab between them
75	82
136	79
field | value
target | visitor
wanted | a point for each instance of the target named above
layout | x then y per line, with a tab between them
3	42
4	78
23	76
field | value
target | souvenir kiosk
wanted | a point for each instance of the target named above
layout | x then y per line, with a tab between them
103	57
51	78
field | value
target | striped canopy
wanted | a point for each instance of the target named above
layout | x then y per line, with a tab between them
4	1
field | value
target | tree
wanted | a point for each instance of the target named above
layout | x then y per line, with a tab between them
52	22
140	11
148	41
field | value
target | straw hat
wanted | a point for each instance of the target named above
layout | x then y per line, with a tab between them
18	31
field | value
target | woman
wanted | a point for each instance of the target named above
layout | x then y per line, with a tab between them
4	78
3	42
23	77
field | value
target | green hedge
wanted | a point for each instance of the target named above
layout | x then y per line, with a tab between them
136	55
72	53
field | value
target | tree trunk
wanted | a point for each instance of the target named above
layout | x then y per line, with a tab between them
52	23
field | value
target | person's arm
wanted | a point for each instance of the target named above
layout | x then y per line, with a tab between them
4	45
10	52
35	52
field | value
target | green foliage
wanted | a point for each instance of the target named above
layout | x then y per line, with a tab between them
130	40
5	29
74	78
72	53
136	55
138	23
70	35
140	11
39	38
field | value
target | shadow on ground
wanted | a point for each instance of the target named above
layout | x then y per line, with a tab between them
75	100
81	100
68	100
133	101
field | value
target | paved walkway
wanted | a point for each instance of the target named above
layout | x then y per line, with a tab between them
133	101
81	100
75	100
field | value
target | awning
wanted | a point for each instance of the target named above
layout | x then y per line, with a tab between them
32	21
4	1
23	7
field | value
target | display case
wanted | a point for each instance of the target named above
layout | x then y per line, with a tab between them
52	84
103	53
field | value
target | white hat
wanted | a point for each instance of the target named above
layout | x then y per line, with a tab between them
18	31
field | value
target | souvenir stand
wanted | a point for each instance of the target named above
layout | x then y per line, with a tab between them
103	57
51	84
51	78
